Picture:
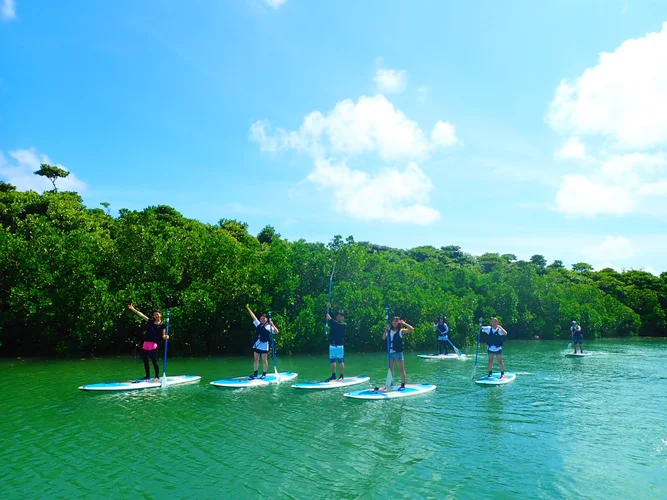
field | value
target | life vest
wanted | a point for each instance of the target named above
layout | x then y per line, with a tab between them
494	338
262	333
396	340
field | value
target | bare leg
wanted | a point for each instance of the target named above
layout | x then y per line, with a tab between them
333	368
490	363
401	367
265	360
499	357
342	369
256	361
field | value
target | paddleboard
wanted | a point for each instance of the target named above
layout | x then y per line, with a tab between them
577	355
239	382
496	380
439	356
382	393
141	384
347	381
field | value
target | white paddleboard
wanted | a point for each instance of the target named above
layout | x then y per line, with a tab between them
382	393
141	384
577	355
440	356
239	382
347	381
496	380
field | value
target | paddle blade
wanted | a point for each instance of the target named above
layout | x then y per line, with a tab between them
474	371
164	380
275	370
569	346
390	380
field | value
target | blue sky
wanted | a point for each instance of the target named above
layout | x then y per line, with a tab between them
509	127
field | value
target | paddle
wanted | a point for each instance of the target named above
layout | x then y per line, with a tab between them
166	343
390	377
326	330
458	353
273	348
569	346
479	333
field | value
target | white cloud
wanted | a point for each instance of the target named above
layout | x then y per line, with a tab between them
444	135
612	248
370	125
573	149
390	81
622	98
274	4
622	184
8	10
389	195
579	195
622	101
20	171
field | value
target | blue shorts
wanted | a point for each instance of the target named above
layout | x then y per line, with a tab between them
336	353
578	339
396	356
499	351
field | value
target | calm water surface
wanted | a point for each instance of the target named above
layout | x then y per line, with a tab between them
566	428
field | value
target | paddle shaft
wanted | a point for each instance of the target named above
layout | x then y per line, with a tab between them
390	376
326	329
479	334
166	345
273	345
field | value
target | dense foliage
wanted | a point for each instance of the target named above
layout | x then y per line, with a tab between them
67	274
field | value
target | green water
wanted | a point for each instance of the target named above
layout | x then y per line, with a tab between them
566	428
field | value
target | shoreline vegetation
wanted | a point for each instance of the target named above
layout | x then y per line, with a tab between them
67	273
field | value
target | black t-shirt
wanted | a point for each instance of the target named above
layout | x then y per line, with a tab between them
337	335
154	331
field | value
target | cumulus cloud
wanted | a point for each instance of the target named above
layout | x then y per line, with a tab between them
579	195
573	149
369	126
623	101
390	81
20	168
444	135
389	195
621	184
623	98
612	248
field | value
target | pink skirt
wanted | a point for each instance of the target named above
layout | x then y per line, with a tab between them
149	346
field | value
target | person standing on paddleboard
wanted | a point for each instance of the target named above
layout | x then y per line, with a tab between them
261	346
395	331
442	330
494	341
336	341
577	337
155	331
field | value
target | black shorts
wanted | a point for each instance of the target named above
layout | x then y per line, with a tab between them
260	351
